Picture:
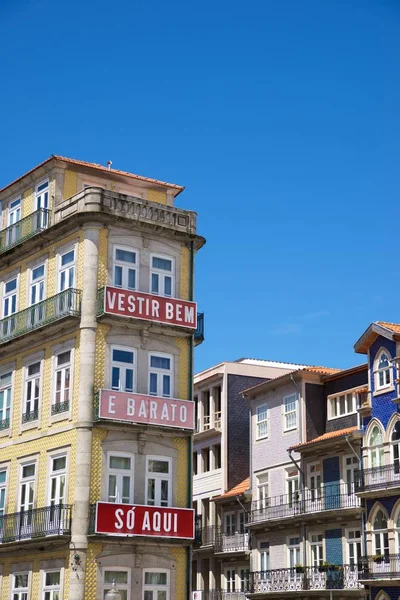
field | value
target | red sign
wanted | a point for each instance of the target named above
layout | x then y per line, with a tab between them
151	410
139	520
152	308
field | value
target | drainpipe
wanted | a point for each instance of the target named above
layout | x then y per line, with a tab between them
190	439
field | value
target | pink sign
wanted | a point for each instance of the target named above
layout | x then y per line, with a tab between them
149	307
151	410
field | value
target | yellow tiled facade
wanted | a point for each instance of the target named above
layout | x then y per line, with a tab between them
62	432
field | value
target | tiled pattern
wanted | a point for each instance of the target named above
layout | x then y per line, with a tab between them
333	545
100	358
70	183
156	196
181	483
91	570
98	436
184	371
103	246
180	557
185	273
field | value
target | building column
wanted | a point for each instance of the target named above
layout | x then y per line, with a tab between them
212	408
84	424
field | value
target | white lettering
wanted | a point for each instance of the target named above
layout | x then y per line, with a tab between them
169	311
156	521
130	519
121	302
111	299
131	303
164	413
140	300
167	522
155	308
142	409
130	407
153	409
178	309
118	514
173	406
111	405
175	523
147	310
183	413
146	522
189	315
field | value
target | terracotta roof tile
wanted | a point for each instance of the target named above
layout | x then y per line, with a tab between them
239	489
322	370
392	326
326	436
98	167
362	390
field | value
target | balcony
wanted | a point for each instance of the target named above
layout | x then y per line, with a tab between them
199	333
206	427
380	567
385	478
52	310
332	497
24	229
204	536
284	581
218	595
35	524
231	543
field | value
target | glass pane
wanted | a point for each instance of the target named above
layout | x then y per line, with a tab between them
168	286
63	358
21	580
154	283
164	492
28	471
126	484
118	276
153	383
148	595
112	486
151	491
161	595
155	578
131	279
117	576
125	255
120	462
59	463
38	272
160	362
166	385
115	378
129	380
158	466
124	356
53	578
162	263
3	476
10	286
67	258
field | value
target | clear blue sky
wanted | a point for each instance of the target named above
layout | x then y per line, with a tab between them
281	118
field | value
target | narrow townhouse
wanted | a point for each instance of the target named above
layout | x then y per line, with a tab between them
221	465
97	333
378	482
291	499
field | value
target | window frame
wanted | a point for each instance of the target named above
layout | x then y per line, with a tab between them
158	477
53	474
162	273
121	366
56	353
318	543
263	497
124	264
334	399
105	586
19	591
26	380
262	408
378	389
122	473
46	589
287	413
6	295
160	373
3	411
60	253
293	548
146	587
4	486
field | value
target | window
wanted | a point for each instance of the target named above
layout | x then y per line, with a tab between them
195	467
230	576
9	306
206	410
158	482
382	370
5	399
290	412
120	478
293	552
262	421
26	499
123	369
66	278
3	489
341	405
42	204
314	482
62	378
397	533
32	392
317	552
351	465
19	589
14	216
36	295
264	556
125	268
58	471
52	585
380	534
395	439
217	405
244	575
262	490
155	584
217	456
162	275
292	487
229	523
122	580
354	546
160	375
376	452
205	455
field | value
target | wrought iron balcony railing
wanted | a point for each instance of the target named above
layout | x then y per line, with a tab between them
329	497
380	567
32	415
199	333
231	542
375	478
340	577
204	536
64	304
24	229
60	407
219	595
35	523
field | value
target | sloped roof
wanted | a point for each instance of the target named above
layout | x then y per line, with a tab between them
326	436
310	369
392	326
238	490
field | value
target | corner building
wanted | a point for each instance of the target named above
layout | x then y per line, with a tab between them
97	333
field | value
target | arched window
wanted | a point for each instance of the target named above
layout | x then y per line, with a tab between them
383	370
377	455
397	528
380	534
395	440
